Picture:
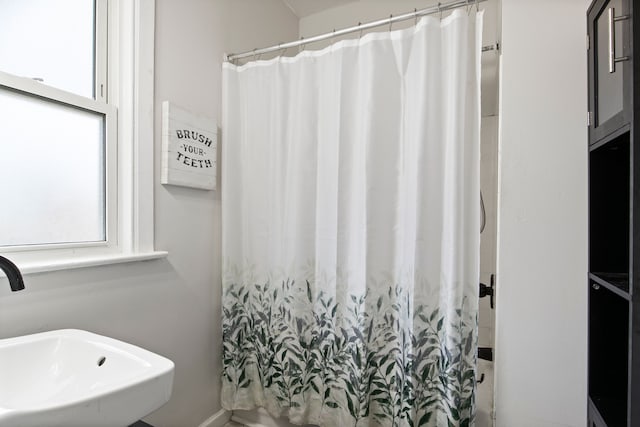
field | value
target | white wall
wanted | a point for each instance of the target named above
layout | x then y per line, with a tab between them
170	306
541	329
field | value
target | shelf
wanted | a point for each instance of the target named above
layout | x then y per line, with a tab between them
614	411
594	145
617	283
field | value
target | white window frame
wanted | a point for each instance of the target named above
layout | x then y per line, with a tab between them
127	84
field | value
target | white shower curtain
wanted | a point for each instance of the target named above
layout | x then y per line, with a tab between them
350	196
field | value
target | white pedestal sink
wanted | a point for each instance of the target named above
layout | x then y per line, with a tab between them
73	378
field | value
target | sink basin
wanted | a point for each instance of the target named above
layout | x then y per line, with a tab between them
73	378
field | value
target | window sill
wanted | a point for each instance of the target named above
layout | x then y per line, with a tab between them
43	266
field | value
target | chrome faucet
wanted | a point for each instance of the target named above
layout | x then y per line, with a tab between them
13	274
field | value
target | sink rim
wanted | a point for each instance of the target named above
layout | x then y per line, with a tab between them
157	366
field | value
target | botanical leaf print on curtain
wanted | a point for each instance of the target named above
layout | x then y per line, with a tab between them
350	200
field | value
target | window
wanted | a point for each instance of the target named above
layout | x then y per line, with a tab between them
52	168
53	137
76	147
53	42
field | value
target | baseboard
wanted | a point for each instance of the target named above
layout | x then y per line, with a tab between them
258	418
219	419
238	419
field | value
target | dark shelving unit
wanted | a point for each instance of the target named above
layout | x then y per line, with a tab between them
614	215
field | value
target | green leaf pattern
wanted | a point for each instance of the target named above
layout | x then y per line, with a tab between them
375	359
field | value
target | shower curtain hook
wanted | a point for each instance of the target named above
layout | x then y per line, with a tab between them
301	46
415	15
477	6
283	49
360	26
254	53
390	22
440	10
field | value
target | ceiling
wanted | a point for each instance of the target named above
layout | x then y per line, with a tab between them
304	8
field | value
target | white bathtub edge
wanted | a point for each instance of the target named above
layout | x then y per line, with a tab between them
219	419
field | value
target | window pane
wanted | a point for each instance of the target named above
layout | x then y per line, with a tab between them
52	167
52	40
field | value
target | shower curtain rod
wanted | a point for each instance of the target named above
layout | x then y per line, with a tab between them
440	7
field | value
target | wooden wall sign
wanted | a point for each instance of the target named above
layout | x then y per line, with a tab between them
189	148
